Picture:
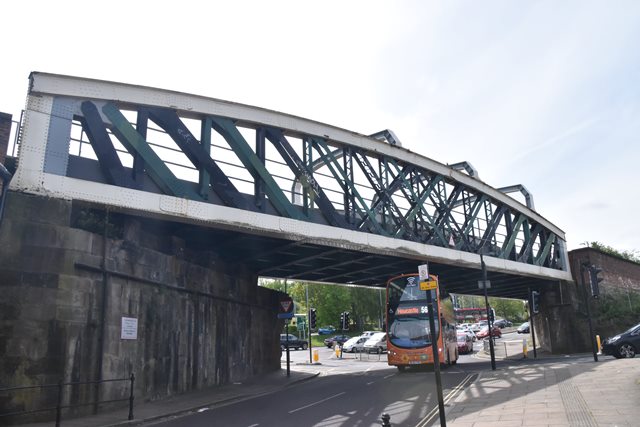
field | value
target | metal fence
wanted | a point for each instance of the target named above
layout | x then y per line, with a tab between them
61	386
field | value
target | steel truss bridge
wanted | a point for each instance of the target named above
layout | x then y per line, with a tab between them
287	196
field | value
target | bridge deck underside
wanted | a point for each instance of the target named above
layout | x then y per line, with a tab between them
280	258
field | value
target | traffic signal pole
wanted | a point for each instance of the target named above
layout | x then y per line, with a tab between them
587	303
306	289
286	322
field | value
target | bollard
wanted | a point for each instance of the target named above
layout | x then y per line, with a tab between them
599	343
524	347
385	420
316	356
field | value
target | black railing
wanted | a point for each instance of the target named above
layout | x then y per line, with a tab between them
59	406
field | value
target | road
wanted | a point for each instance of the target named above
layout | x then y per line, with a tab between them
350	391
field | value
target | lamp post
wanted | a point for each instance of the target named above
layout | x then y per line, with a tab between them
489	321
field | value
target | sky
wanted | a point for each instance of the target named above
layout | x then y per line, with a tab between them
540	93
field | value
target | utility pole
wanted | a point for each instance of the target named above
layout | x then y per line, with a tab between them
489	321
533	309
423	275
286	322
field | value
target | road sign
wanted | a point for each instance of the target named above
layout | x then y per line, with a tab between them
482	282
428	285
423	272
286	308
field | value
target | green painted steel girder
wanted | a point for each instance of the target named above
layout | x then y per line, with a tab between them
136	144
241	148
539	260
418	205
509	243
347	184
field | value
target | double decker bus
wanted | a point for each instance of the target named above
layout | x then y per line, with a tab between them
408	332
471	315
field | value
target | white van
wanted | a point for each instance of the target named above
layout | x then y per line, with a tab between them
354	344
377	343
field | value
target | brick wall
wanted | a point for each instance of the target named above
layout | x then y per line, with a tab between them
617	272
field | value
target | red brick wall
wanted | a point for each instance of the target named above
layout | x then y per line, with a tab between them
617	273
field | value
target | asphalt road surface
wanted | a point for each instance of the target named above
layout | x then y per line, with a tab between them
349	392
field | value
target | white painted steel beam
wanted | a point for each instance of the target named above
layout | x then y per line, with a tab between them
60	85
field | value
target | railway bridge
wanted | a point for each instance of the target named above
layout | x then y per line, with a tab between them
160	210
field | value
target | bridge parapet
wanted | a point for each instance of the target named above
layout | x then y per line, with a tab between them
229	165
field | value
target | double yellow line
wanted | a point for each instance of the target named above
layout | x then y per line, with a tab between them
430	417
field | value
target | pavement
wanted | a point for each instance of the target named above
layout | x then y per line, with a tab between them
182	404
551	390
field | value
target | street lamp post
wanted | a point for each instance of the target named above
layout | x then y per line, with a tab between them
489	321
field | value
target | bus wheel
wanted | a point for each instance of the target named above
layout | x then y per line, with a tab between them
401	368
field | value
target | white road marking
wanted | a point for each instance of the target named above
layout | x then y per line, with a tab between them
315	403
389	376
430	417
371	382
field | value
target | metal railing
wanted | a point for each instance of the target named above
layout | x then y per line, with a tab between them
60	397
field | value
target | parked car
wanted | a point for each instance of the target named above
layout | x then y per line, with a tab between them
466	328
377	343
626	344
337	339
484	332
502	323
465	343
523	329
475	327
293	342
354	344
326	330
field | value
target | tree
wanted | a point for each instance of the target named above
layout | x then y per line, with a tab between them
365	305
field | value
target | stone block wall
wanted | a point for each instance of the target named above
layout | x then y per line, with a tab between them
201	322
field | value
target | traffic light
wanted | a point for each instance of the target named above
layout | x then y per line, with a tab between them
312	318
342	320
492	317
346	320
595	280
535	301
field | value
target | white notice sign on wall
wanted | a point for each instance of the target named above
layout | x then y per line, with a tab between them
129	330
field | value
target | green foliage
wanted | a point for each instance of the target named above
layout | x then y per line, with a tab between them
510	309
619	308
365	305
632	255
